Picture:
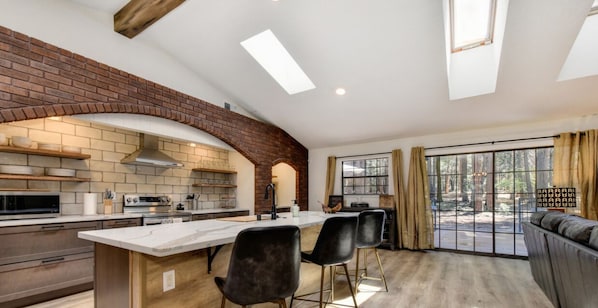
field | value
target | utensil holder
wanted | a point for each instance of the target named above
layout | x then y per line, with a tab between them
108	207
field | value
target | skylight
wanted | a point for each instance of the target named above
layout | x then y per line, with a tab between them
594	9
581	61
472	23
267	50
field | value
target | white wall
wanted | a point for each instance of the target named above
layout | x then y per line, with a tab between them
245	181
285	178
318	157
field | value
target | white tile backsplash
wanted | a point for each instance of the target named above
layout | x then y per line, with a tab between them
107	146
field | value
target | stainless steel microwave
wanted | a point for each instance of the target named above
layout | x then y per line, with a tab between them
29	204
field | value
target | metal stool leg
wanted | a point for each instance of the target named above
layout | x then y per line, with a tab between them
381	269
350	286
357	270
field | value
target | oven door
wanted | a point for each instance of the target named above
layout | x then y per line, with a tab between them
149	220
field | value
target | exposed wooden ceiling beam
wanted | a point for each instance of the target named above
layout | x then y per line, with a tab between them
137	15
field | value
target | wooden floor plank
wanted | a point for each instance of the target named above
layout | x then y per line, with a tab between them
422	279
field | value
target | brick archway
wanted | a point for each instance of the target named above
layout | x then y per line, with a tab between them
40	80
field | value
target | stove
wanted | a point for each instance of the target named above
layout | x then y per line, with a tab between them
155	209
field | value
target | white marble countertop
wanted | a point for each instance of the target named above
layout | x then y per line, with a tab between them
81	218
169	239
65	219
212	211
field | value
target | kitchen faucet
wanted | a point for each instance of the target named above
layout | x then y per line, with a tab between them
271	187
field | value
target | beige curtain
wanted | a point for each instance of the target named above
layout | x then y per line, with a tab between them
330	174
420	231
575	165
399	197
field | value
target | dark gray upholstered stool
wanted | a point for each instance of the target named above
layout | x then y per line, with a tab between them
335	246
369	236
264	266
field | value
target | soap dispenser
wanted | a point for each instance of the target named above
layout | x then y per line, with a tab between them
295	209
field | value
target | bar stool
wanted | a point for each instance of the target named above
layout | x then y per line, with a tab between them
335	246
369	236
264	266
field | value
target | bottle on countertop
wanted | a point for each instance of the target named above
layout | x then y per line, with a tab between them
295	209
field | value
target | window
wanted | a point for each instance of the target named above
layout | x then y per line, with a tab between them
472	23
365	176
479	200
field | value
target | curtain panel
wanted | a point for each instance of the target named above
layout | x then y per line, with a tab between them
576	165
330	175
420	229
399	196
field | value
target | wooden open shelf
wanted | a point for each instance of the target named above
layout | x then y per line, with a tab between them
42	178
214	185
10	149
214	170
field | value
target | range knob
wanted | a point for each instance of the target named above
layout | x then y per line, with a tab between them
132	200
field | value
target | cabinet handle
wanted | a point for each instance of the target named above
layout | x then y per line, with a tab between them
58	227
52	260
121	222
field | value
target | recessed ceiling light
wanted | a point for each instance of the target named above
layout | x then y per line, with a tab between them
340	91
192	144
267	50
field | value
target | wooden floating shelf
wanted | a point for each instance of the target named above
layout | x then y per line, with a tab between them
42	178
18	150
214	170
214	185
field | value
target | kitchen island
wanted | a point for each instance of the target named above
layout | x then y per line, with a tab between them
130	263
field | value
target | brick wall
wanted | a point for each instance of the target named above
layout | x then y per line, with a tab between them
39	80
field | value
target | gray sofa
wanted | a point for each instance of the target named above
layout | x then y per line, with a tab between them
563	256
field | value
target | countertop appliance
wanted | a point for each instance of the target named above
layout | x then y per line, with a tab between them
29	204
155	209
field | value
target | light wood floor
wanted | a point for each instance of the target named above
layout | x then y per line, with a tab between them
421	279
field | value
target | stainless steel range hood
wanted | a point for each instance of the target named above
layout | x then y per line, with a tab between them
149	155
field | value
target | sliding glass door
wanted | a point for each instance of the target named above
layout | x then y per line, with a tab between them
480	199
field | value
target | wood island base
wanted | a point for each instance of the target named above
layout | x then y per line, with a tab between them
125	278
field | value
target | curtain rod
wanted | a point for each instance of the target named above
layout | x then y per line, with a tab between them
364	155
460	145
490	142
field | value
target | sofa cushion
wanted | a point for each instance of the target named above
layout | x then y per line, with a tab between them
552	220
593	242
536	217
577	228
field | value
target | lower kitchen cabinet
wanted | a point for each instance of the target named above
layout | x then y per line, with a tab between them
47	261
41	262
121	223
220	215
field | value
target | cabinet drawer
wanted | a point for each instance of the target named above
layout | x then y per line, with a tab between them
26	243
46	275
201	216
121	223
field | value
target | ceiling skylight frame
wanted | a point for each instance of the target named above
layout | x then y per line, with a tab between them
594	8
269	52
489	37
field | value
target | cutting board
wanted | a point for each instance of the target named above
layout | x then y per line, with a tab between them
244	218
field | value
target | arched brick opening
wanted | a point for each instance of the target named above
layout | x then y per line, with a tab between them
40	80
298	176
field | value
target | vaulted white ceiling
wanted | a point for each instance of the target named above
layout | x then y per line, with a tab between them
387	54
